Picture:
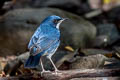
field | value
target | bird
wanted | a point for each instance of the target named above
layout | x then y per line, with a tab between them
44	42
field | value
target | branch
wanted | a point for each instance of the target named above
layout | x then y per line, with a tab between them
31	78
66	75
78	74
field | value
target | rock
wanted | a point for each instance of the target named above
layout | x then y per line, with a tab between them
110	31
19	25
12	66
101	41
89	62
113	14
74	6
88	52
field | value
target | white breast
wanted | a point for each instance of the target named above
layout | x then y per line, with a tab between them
57	26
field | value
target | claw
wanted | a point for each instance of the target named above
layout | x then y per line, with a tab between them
57	72
44	72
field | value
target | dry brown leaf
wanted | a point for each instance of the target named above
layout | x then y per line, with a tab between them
69	48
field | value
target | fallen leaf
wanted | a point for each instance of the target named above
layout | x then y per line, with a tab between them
69	48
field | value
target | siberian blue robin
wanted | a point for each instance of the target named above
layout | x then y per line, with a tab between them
44	42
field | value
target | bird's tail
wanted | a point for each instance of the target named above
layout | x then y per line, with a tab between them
32	61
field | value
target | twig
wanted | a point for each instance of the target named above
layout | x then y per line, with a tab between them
66	75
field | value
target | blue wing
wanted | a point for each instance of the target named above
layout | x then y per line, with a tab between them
40	42
34	38
42	45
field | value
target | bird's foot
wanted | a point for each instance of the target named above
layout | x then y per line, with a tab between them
57	72
44	71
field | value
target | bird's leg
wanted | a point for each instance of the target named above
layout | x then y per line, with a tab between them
56	70
43	70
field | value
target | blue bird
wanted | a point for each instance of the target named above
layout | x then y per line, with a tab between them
44	42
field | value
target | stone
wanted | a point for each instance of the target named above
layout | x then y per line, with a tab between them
19	25
74	6
110	31
89	62
101	41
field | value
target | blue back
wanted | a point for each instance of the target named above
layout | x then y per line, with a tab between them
46	36
44	40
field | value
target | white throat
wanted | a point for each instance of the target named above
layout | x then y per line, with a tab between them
58	25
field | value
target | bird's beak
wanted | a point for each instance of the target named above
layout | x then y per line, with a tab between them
65	19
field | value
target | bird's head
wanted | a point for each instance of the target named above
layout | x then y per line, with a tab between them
54	20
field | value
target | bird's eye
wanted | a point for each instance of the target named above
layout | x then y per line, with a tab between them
55	21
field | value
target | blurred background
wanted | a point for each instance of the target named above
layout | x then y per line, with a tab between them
19	19
93	28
